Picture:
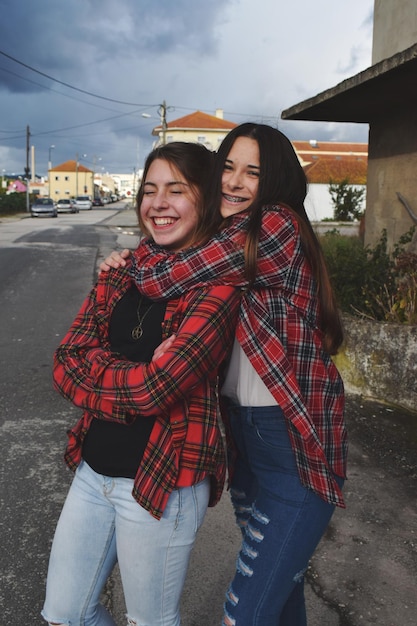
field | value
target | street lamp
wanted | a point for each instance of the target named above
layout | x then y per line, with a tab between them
50	160
162	112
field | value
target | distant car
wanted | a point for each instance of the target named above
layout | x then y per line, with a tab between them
65	205
83	203
44	207
98	202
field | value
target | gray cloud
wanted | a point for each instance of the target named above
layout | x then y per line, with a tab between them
251	60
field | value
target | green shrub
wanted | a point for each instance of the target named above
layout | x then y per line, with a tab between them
369	281
346	260
12	203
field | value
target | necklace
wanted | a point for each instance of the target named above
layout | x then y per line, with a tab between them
137	332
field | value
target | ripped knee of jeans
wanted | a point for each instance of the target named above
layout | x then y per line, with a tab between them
242	509
55	622
233	600
299	576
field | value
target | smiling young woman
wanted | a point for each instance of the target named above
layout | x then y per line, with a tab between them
240	180
168	212
148	452
283	398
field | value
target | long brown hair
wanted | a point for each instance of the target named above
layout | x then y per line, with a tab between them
195	163
282	181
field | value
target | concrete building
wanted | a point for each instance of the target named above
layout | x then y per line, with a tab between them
385	97
198	127
127	184
70	179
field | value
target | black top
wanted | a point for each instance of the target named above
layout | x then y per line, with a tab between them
111	448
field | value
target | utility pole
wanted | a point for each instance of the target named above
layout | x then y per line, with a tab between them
76	175
163	114
27	168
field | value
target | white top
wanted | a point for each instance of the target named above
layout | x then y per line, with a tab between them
243	385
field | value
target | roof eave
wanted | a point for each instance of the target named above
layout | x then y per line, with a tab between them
365	96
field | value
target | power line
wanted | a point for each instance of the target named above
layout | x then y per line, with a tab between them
50	89
93	95
88	93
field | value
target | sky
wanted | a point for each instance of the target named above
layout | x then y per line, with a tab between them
81	73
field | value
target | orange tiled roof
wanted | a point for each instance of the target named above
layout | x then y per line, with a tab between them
325	170
330	147
329	160
70	166
197	121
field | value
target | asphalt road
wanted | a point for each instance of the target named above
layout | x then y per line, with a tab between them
47	267
365	569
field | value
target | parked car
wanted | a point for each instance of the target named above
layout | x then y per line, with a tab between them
83	203
98	202
44	206
65	205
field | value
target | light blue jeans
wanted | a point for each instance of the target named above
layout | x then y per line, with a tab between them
101	524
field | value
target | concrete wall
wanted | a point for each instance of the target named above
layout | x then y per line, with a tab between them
379	361
395	27
349	229
392	168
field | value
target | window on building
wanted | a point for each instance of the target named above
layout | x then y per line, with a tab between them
56	177
201	139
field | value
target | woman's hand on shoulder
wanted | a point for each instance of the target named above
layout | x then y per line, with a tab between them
115	260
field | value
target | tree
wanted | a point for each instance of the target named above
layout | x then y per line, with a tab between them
347	201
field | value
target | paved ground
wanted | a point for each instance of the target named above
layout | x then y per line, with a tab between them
365	570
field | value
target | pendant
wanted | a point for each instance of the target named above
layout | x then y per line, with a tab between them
137	332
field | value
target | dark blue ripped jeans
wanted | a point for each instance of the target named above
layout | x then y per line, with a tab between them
281	521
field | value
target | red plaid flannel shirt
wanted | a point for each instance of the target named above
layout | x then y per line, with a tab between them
277	329
179	389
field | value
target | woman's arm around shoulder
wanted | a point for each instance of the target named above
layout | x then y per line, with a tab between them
162	274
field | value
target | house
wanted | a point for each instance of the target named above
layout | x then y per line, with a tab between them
325	162
70	179
385	97
16	186
197	127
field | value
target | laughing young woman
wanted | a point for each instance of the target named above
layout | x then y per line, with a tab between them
147	451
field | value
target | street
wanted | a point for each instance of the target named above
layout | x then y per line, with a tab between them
365	569
47	267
